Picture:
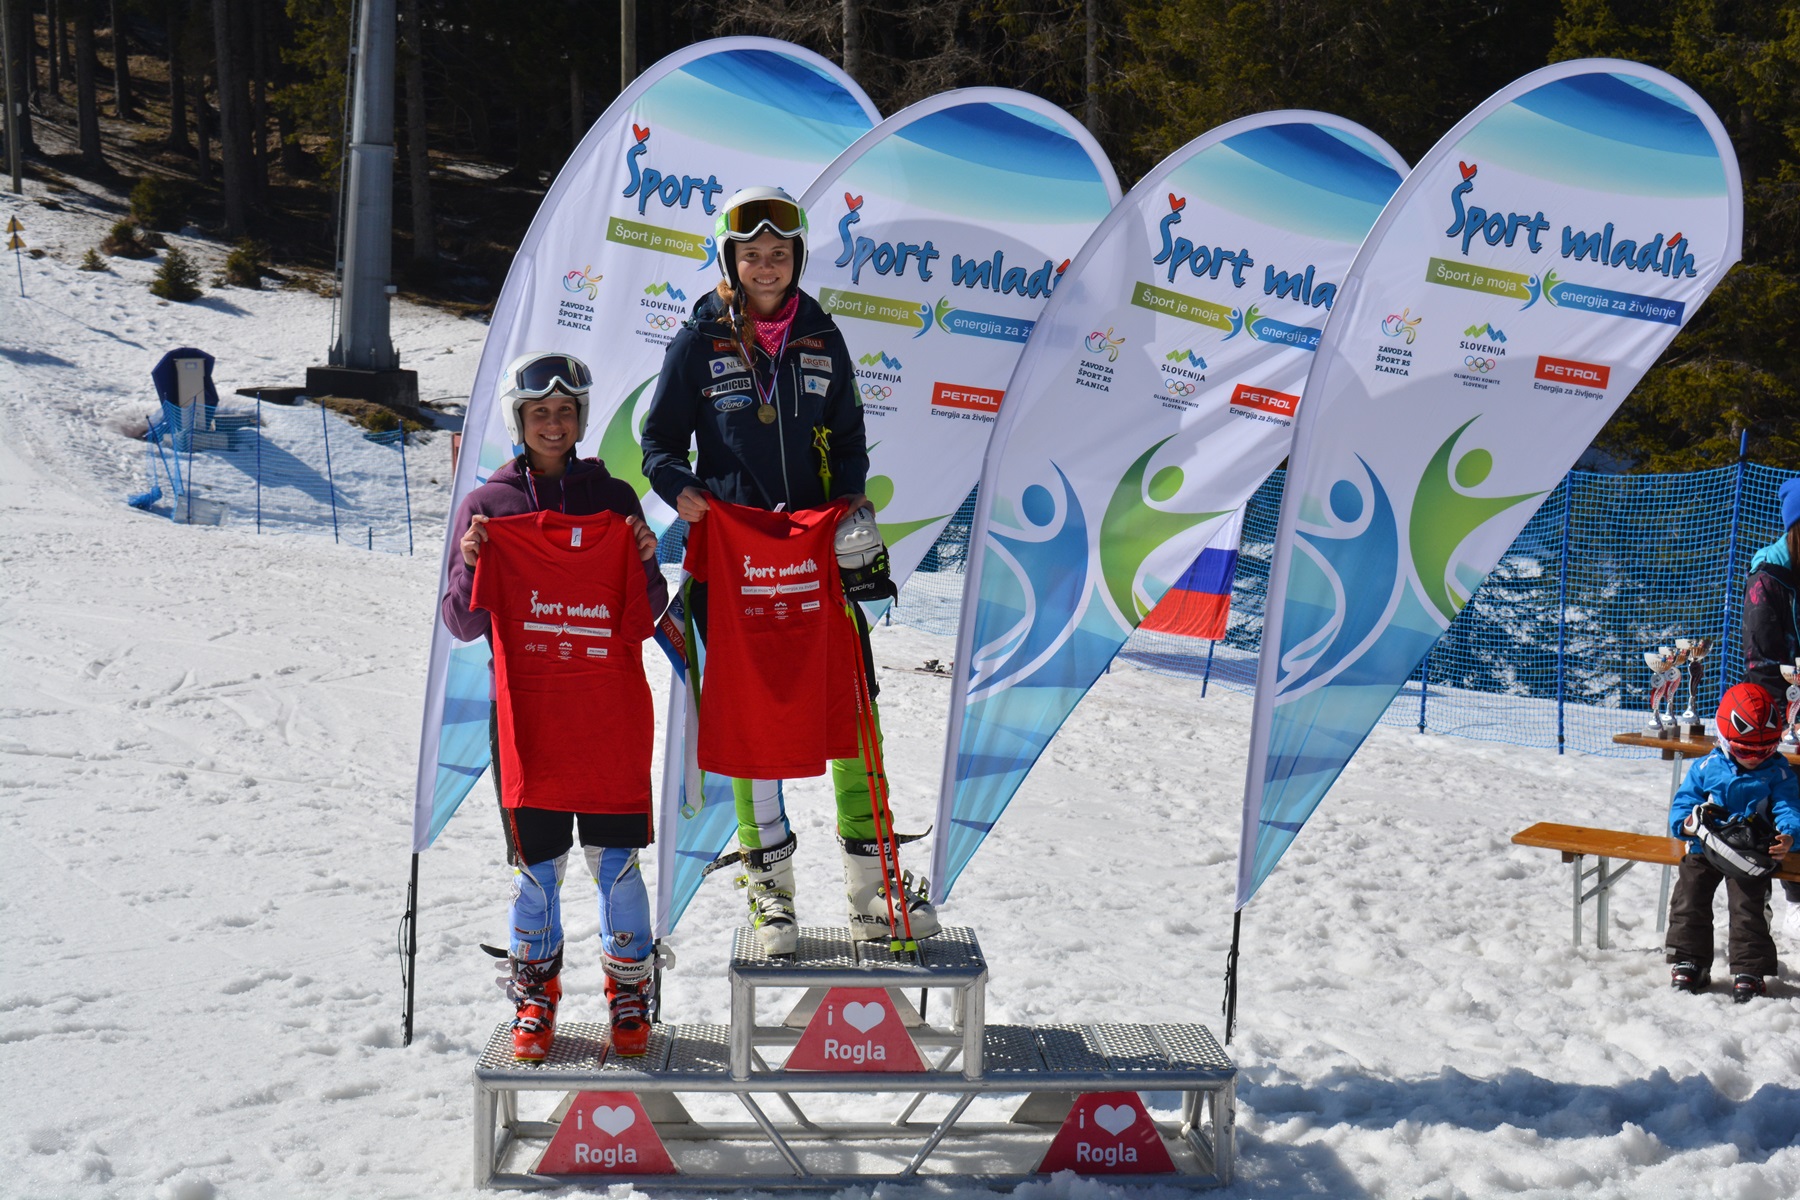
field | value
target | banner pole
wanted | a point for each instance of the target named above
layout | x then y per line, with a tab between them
409	949
1229	1007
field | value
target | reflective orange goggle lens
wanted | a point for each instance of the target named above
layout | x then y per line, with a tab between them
782	217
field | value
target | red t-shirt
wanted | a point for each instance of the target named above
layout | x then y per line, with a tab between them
569	614
778	693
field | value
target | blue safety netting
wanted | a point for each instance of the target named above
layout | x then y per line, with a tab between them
278	468
1550	650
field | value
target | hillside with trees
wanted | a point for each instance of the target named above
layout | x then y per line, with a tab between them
237	109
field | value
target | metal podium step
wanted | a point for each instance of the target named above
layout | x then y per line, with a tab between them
825	1135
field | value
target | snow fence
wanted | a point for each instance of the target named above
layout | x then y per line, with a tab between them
1550	651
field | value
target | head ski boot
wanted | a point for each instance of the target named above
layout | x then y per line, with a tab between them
535	988
628	987
865	886
768	883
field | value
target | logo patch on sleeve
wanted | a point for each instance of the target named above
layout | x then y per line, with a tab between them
809	343
740	384
718	368
816	362
816	385
720	347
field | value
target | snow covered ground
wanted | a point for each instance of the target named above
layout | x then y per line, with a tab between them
207	742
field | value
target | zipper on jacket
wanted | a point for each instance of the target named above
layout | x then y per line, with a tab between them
781	433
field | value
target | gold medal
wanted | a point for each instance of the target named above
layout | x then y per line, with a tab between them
766	414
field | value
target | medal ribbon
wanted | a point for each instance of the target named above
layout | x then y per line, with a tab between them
766	398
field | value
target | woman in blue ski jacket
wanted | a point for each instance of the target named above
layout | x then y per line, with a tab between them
760	384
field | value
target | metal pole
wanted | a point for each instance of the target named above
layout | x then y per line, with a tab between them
259	462
1737	512
1424	687
1205	679
330	486
1562	607
1231	965
13	106
364	340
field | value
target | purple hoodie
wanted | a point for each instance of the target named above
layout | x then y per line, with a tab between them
586	487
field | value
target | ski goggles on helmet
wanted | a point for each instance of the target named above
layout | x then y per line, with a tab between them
548	373
783	218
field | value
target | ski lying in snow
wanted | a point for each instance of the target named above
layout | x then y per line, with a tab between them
932	666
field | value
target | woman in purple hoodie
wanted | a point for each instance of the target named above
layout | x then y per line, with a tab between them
544	401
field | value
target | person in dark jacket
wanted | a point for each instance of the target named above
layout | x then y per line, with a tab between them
760	384
544	399
1772	632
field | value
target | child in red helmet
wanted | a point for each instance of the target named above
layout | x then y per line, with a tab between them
1744	780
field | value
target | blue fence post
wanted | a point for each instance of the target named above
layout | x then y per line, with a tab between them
259	462
1737	513
330	486
1424	687
1205	679
406	484
1562	607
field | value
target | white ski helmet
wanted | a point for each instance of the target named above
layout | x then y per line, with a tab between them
532	377
752	210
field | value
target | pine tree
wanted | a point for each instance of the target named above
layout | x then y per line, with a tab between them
178	278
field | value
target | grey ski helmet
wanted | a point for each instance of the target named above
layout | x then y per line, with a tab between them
532	377
748	213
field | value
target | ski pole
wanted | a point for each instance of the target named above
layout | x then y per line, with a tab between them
886	841
865	742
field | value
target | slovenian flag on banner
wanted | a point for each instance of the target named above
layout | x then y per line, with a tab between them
1199	605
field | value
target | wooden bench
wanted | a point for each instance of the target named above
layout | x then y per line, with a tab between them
1578	842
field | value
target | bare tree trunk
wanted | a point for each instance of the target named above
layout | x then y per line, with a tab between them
86	101
418	148
852	38
178	118
18	33
1092	119
53	35
202	133
62	50
234	139
121	51
627	43
28	50
259	96
576	109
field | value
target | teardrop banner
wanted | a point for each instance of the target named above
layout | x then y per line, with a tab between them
620	249
606	1133
1156	393
855	1029
1524	277
1108	1133
936	241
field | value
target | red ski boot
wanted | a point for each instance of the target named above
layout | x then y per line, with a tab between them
628	987
535	989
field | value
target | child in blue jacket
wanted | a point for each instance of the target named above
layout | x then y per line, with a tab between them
1744	776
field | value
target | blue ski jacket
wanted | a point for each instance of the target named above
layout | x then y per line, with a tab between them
706	397
1720	779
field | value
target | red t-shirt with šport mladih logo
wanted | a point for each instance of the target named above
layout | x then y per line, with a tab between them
778	693
566	595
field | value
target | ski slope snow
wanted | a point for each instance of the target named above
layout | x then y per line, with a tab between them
207	744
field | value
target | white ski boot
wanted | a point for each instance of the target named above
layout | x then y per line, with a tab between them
768	882
865	886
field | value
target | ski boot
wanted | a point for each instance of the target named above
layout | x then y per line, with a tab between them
628	987
1745	988
535	988
865	886
768	881
1687	977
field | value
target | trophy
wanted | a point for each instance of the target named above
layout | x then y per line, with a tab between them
1696	649
1665	675
1792	675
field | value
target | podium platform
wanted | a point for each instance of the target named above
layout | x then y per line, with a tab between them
984	1104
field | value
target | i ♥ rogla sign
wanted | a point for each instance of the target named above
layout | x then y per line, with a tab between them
1521	281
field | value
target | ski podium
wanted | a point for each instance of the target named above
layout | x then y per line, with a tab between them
856	1086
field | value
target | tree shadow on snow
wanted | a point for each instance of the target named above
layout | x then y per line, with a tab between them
1684	1114
33	358
219	304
